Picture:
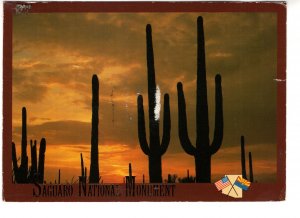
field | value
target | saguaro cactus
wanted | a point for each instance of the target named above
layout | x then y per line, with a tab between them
21	173
154	149
41	161
36	172
94	166
82	165
130	170
130	183
17	174
24	157
33	167
203	150
59	176
243	159
82	178
250	167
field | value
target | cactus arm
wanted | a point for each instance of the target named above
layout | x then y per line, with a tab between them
182	123
82	165
41	161
33	157
218	133
141	127
167	125
14	158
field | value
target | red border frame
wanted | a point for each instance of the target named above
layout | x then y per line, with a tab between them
183	192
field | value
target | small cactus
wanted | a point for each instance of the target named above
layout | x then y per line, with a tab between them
59	176
250	167
243	159
82	178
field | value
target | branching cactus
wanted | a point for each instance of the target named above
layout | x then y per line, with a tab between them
203	150
154	149
36	172
94	166
21	173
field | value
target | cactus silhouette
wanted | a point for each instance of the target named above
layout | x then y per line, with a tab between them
154	149
82	165
41	161
82	178
33	168
24	157
130	170
94	166
203	149
187	179
250	168
130	183
21	173
171	178
243	159
18	178
59	176
35	173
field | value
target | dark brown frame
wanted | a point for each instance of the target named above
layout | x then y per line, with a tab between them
184	192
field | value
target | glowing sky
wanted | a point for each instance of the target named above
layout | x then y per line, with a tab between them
55	56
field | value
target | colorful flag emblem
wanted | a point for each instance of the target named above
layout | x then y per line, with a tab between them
242	183
222	183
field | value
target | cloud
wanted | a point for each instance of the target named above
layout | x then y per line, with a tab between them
55	56
77	132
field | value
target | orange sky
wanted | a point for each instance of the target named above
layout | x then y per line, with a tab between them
55	56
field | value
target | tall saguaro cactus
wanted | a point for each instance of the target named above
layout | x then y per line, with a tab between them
243	159
154	149
203	149
94	166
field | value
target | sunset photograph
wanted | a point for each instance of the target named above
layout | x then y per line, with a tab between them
146	89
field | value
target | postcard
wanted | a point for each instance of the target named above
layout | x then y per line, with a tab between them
144	101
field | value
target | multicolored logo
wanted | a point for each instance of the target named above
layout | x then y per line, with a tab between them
233	185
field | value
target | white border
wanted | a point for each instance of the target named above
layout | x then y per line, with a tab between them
286	208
